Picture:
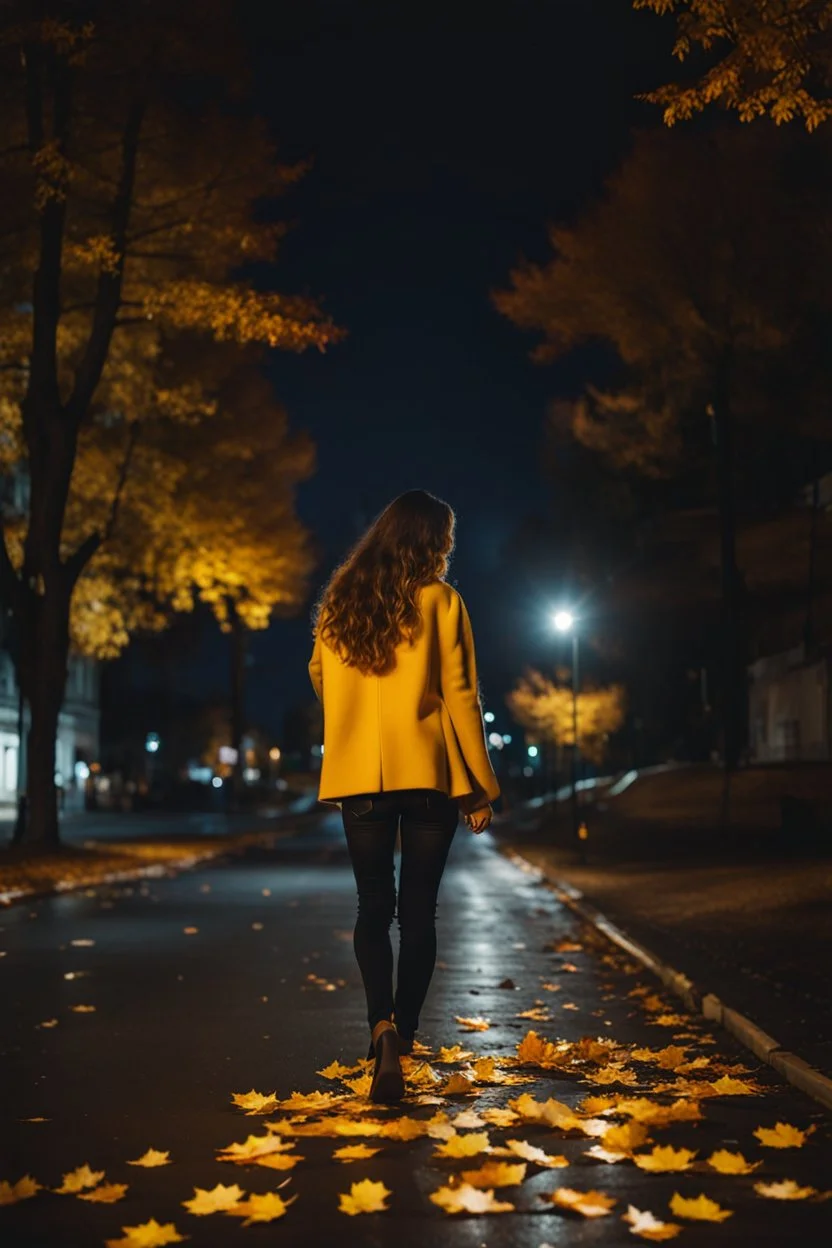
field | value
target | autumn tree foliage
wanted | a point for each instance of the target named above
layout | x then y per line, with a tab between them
700	269
545	709
769	58
132	173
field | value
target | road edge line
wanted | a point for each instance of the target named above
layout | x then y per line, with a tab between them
795	1070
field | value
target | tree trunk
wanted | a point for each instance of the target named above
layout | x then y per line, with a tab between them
733	647
809	622
238	700
44	655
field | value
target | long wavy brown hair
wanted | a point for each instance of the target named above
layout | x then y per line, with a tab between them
370	603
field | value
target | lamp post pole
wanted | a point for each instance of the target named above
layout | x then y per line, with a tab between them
575	817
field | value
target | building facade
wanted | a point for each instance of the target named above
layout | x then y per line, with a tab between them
789	707
78	731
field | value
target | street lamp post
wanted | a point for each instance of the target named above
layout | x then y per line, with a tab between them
565	622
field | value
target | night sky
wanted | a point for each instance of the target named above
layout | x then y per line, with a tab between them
444	137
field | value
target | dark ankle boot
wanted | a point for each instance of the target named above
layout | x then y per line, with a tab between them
388	1081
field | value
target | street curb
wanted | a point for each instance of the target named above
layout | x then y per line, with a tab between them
765	1047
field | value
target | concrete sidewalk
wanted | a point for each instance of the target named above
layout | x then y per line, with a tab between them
241	978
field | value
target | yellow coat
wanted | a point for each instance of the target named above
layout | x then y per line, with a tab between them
419	726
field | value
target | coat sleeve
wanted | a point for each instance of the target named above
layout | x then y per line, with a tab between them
460	693
315	669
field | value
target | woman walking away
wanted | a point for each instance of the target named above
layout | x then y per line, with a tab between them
404	750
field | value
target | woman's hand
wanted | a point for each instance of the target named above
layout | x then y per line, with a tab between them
478	820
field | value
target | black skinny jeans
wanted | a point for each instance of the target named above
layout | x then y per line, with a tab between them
428	821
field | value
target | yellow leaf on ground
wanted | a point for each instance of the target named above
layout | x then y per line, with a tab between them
552	1112
458	1083
529	1152
786	1189
731	1163
153	1157
454	1053
597	1104
49	1022
264	1208
468	1120
364	1197
11	1193
82	1009
726	1086
76	1180
473	1024
253	1146
106	1194
649	1227
698	1208
335	1070
148	1235
663	1159
624	1138
278	1161
355	1152
467	1199
255	1102
783	1135
463	1145
360	1086
311	1101
401	1129
213	1200
669	1020
500	1117
591	1204
605	1154
496	1174
613	1073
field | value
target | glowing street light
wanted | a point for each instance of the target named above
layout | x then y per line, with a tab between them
564	621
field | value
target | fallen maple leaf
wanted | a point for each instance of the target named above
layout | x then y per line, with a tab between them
643	1223
496	1174
335	1070
148	1235
49	1022
500	1117
625	1138
604	1154
355	1152
255	1102
529	1152
253	1146
786	1189
278	1161
82	1009
458	1083
731	1163
11	1193
153	1157
664	1160
464	1145
783	1135
260	1208
76	1180
669	1020
726	1086
468	1199
313	1101
364	1197
454	1053
473	1024
698	1208
215	1200
105	1194
590	1204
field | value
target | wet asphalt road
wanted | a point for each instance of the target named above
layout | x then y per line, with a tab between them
182	1021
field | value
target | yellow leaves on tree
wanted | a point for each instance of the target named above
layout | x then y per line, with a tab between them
769	58
545	709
